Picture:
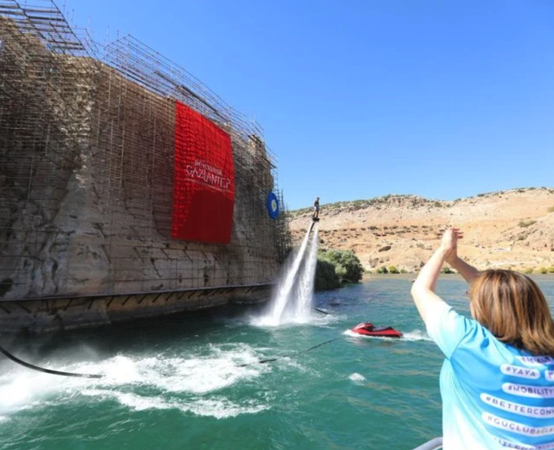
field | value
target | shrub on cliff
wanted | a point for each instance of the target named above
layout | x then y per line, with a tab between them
525	224
347	265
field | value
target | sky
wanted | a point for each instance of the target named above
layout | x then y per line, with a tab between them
363	98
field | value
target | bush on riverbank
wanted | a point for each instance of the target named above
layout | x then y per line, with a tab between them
347	267
326	277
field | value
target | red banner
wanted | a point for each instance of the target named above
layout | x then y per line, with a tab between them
204	183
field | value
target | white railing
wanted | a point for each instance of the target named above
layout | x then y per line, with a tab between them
433	444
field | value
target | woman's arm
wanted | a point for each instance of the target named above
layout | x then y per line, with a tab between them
464	269
423	289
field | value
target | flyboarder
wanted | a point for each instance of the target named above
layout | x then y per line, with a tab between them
316	209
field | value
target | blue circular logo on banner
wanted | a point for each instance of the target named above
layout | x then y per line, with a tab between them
272	205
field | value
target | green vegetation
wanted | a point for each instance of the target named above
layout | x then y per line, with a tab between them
550	269
525	224
347	265
393	269
528	271
325	276
335	267
446	269
543	270
551	209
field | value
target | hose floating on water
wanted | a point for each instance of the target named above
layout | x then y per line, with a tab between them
49	371
263	361
87	375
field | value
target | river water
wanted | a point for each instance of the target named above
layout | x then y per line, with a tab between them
195	383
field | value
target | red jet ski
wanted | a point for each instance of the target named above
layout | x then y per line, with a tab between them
368	329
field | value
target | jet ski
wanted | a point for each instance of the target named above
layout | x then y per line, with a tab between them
368	329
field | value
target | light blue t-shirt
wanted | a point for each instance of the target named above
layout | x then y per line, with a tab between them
494	395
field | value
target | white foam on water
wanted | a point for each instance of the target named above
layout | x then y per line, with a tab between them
220	408
326	320
356	377
22	389
132	401
216	369
416	335
286	362
352	334
199	374
316	319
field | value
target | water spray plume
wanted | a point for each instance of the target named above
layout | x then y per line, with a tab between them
292	299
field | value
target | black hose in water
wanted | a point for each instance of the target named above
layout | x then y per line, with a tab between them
87	375
50	371
263	361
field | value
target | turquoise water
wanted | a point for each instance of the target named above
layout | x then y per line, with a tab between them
194	383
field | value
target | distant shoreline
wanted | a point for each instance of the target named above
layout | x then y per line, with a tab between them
512	229
413	276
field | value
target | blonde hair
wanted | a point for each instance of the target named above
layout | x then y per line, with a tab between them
514	310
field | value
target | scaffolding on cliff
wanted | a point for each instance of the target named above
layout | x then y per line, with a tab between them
86	168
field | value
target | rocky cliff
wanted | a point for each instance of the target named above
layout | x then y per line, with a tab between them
505	229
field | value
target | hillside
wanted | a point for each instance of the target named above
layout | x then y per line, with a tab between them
503	229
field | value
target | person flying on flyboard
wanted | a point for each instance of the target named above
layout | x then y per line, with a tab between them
316	210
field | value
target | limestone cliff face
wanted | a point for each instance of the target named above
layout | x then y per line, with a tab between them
512	228
42	126
86	175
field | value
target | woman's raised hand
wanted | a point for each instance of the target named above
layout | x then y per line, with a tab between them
449	243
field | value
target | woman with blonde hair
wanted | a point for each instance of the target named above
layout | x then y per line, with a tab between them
497	381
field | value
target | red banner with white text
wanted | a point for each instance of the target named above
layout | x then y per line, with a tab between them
204	181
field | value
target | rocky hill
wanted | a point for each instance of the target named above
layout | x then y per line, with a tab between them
505	229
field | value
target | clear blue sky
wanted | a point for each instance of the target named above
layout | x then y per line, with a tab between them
362	98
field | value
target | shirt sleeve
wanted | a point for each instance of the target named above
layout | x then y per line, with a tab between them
447	328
